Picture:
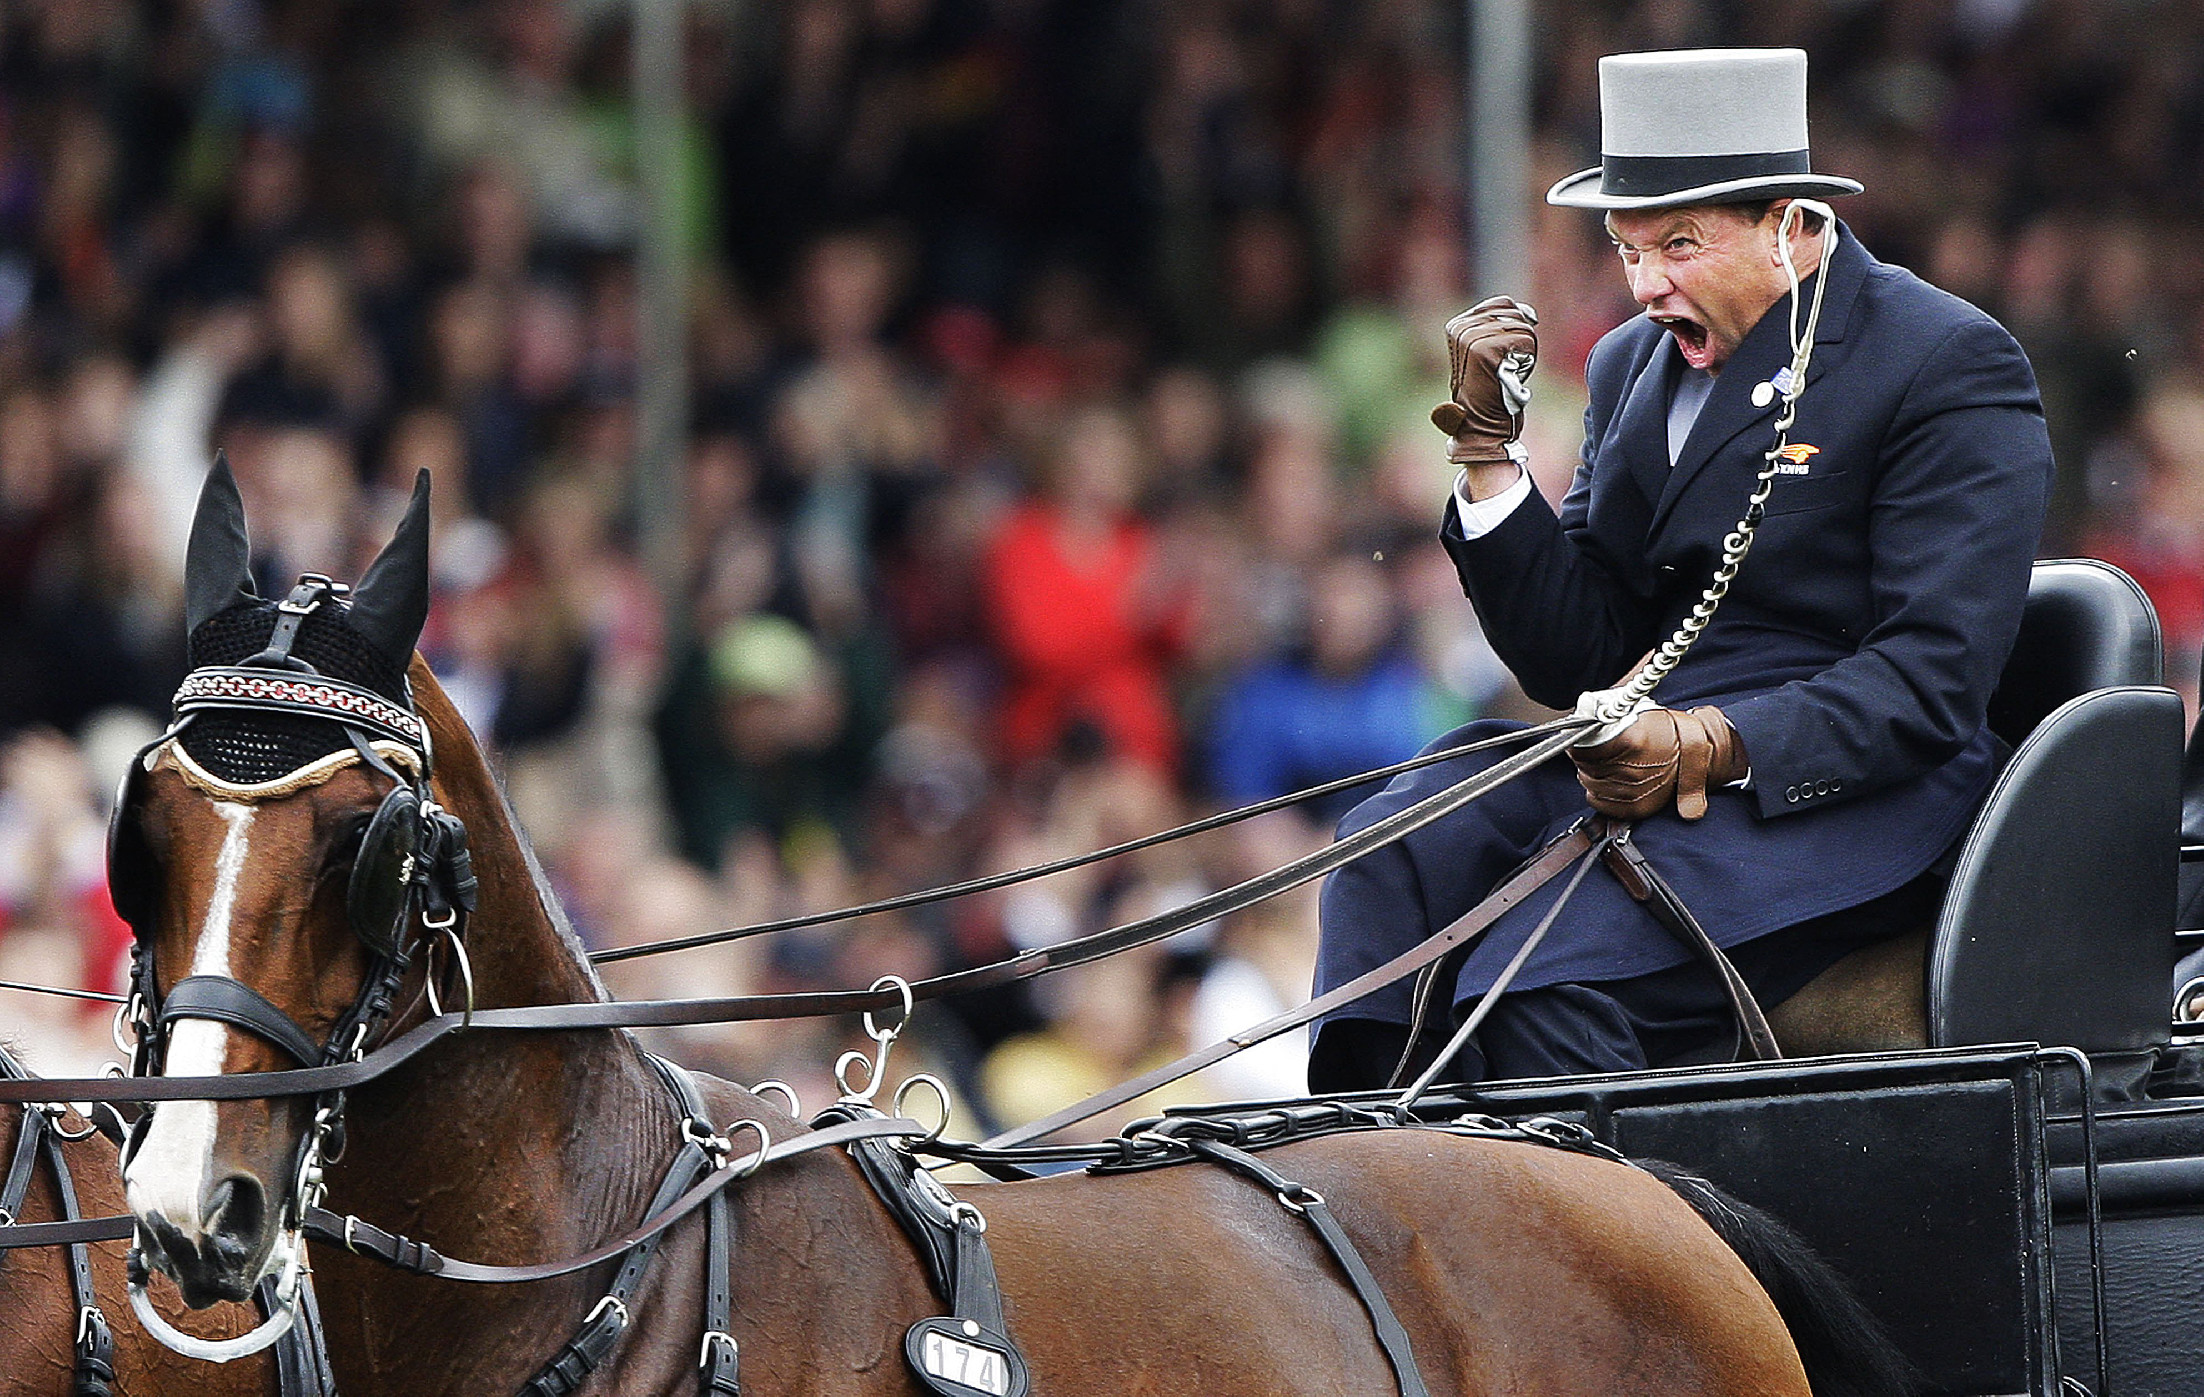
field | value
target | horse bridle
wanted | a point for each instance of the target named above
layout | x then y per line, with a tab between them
411	877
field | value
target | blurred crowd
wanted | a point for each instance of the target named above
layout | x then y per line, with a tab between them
1058	467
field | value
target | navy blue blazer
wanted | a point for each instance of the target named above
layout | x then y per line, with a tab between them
1858	647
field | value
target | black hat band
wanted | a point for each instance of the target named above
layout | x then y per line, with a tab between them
1650	176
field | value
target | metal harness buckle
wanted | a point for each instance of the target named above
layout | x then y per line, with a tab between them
1299	1199
611	1302
310	591
701	1134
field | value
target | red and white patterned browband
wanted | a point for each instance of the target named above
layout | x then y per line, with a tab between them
309	695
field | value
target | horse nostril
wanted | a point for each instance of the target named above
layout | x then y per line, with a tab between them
235	1209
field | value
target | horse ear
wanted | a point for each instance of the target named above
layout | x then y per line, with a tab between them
391	602
218	561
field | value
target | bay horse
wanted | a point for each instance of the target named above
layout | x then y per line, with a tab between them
40	1326
1513	1268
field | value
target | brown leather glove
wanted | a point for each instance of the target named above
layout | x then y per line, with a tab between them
1492	348
1662	753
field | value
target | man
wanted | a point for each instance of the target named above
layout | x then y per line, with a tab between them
1822	745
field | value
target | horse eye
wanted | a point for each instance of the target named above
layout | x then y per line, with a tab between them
346	846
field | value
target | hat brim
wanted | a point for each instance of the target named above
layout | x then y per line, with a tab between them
1581	191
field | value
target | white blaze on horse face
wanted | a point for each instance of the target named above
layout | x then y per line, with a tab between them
171	1171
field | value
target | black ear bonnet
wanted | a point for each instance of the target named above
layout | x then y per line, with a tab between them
412	857
247	747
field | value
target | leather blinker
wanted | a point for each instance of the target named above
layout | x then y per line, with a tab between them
383	873
132	879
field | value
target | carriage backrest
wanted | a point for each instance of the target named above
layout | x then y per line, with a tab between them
2057	927
2087	626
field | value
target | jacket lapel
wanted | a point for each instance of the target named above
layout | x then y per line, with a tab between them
1640	435
1767	347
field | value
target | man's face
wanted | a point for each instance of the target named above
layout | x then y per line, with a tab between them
1704	273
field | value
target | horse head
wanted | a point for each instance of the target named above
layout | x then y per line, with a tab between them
274	853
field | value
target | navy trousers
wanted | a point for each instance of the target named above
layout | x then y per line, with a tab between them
1618	1025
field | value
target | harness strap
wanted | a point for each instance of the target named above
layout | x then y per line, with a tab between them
978	1294
719	1359
325	1226
18	1185
94	1342
1642	881
583	1354
302	1352
1305	1202
71	1232
608	1320
231	1001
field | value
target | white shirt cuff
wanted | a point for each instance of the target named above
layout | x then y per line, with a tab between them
1481	517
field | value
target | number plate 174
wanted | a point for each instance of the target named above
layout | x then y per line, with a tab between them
957	1358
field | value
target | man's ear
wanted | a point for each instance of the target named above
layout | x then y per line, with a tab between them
1774	218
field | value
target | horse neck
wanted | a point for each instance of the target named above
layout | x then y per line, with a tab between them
522	1134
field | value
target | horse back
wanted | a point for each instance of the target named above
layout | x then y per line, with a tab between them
1514	1268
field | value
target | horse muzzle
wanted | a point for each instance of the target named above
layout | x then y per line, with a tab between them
220	1253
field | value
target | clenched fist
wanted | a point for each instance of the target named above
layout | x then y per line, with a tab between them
1663	753
1492	348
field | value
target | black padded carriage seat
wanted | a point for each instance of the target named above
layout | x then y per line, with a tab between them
2057	927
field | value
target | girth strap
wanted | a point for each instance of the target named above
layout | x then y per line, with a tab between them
951	1238
924	1210
1303	1201
233	1002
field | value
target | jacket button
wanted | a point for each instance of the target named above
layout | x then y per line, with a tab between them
1821	788
1835	786
1790	793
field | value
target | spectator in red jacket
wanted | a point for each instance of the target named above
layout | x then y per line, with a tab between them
1083	617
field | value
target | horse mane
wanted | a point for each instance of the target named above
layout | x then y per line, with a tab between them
461	766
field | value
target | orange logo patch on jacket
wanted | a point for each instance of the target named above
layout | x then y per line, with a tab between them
1796	453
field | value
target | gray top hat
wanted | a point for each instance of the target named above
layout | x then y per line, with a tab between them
1700	126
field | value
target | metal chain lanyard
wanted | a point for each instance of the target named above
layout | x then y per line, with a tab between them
1616	707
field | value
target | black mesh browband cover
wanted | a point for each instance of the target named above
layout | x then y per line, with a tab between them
248	746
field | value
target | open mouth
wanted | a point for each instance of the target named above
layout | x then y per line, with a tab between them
1691	337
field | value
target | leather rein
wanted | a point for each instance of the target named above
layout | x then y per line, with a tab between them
388	1056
